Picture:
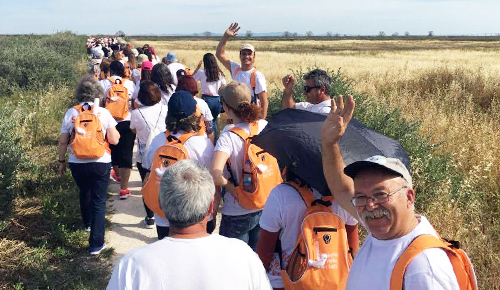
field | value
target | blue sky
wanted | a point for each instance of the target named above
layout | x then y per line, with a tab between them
364	17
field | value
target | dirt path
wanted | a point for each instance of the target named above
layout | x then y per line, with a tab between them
127	227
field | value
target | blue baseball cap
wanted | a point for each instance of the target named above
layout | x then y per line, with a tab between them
170	57
181	105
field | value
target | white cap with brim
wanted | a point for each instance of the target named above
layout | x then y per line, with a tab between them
248	47
393	165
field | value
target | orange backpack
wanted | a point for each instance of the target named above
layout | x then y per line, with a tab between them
170	153
321	259
87	139
461	263
253	82
117	99
260	172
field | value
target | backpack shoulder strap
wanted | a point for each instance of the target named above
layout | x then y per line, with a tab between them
305	193
417	246
184	137
252	79
254	128
112	80
240	132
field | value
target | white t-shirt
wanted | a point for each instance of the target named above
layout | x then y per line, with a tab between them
245	77
209	88
284	212
321	108
107	121
106	85
173	68
212	262
165	96
204	109
373	265
199	148
145	119
233	146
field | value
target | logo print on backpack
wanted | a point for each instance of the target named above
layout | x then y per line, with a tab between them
327	238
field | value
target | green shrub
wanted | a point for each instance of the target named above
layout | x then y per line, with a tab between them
34	62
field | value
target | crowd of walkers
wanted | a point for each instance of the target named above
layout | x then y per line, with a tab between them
191	162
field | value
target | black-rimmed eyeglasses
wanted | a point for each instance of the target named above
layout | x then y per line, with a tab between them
307	89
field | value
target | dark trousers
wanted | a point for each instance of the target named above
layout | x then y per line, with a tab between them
142	172
121	153
92	181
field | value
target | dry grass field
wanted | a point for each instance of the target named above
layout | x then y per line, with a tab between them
450	87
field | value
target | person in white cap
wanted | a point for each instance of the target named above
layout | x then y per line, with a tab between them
379	192
246	72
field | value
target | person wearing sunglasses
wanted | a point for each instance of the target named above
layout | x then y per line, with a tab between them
379	191
317	91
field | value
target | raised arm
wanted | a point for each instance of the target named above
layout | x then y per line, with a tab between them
221	48
198	67
341	185
264	104
287	100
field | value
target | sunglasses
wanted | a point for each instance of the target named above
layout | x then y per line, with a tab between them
307	89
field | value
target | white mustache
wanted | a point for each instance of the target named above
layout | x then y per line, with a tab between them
376	213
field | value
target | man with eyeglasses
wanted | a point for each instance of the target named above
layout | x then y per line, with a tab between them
379	192
316	89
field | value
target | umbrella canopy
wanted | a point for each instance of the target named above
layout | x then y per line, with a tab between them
294	138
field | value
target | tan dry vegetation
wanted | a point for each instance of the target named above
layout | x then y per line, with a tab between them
450	87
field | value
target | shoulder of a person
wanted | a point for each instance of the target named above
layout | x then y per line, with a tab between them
262	124
259	74
235	244
227	128
433	261
282	190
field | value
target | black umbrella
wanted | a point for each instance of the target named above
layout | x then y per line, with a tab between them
294	138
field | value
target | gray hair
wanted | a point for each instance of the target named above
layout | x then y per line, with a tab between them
186	191
88	89
320	78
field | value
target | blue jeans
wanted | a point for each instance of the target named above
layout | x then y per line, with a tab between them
215	107
243	227
92	180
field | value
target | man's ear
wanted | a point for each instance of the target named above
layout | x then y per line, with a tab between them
410	196
211	208
323	90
